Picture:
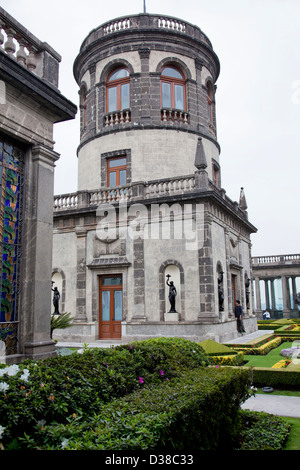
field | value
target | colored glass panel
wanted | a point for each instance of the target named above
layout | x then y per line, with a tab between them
11	191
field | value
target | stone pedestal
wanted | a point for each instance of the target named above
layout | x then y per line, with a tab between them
171	316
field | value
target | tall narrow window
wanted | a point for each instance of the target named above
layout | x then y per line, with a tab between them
173	90
209	98
116	172
118	90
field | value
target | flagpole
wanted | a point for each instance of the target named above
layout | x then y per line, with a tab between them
144	6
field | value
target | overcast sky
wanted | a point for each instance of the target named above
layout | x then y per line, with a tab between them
258	95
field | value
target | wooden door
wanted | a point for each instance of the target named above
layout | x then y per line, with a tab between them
110	306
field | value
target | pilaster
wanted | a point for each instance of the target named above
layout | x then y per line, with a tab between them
80	315
36	296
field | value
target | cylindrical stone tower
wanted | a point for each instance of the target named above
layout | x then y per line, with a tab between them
150	212
149	81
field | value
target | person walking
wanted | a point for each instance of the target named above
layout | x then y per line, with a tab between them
239	317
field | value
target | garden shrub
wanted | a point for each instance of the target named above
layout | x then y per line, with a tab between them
262	431
213	348
231	360
172	354
62	386
260	347
197	411
283	378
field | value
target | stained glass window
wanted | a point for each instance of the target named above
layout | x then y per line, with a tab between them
11	200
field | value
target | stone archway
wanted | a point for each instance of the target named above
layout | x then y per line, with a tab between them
175	269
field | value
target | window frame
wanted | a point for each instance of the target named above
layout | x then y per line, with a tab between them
173	81
118	85
116	169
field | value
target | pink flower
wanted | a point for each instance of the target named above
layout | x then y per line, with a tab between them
141	380
161	372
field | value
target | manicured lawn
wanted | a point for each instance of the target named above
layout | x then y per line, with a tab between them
293	441
270	359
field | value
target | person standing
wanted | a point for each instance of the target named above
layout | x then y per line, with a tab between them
239	317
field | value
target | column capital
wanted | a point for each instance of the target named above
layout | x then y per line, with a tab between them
44	154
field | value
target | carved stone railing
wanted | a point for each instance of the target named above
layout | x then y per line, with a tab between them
34	55
139	191
128	192
117	117
174	115
65	201
120	194
146	21
170	187
171	23
276	259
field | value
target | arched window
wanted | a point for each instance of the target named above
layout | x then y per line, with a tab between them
173	92
118	90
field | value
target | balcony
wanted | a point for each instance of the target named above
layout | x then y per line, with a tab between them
117	117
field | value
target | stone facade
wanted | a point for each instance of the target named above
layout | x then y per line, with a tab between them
171	216
30	105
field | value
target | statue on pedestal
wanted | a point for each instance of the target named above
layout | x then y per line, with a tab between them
56	297
220	292
172	294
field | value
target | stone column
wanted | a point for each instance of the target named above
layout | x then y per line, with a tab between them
209	312
285	296
145	86
81	276
36	294
257	294
267	294
139	279
273	298
294	291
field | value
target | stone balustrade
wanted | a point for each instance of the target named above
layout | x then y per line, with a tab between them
170	187
174	115
138	191
117	117
119	194
146	21
21	45
65	201
280	259
129	192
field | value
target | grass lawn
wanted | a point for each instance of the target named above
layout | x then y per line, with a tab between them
269	360
293	441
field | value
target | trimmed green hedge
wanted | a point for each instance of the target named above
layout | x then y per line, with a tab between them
79	384
197	411
277	378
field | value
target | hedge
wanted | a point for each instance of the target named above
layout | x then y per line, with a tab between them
231	360
277	378
59	387
197	411
262	347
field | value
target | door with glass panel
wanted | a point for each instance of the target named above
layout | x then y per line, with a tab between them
110	306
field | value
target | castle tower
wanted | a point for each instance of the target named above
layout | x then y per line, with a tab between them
150	212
